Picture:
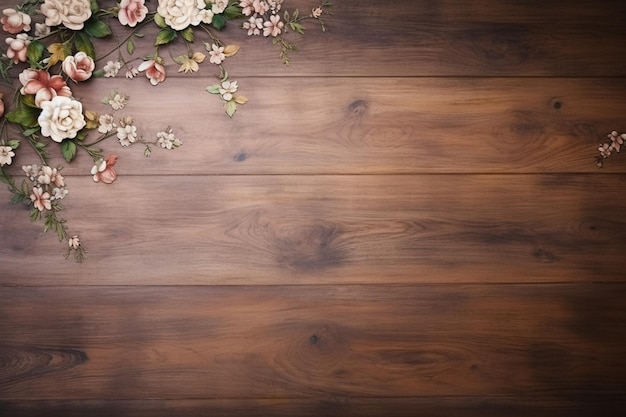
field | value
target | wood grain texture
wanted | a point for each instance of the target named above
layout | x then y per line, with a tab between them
332	407
250	230
334	126
302	342
408	220
438	38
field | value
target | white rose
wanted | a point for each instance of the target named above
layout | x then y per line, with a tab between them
179	14
61	118
71	13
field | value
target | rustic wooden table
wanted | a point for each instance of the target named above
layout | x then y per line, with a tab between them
407	220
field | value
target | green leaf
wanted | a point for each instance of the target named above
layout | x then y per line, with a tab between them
213	89
230	107
84	44
297	27
68	149
219	21
130	46
94	6
97	28
14	143
165	36
24	116
31	131
28	100
34	52
160	21
187	34
233	11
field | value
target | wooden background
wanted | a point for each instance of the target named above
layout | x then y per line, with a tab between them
406	221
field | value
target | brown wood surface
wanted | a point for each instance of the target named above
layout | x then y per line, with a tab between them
408	220
250	230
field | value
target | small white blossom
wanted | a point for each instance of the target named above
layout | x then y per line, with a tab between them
254	25
112	68
219	6
216	54
117	101
6	155
316	13
167	140
126	132
58	193
41	30
106	123
132	73
74	242
227	89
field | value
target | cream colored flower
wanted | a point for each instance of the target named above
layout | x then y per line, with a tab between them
111	68
179	14
106	123
316	13
227	89
126	132
74	242
219	6
6	155
70	13
61	118
167	140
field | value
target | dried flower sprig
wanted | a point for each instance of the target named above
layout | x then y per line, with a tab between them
608	147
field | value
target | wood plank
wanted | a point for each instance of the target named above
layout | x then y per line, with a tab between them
366	407
367	126
68	343
438	38
252	230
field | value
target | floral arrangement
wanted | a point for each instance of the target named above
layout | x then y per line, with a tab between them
50	46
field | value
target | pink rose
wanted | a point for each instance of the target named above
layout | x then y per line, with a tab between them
17	48
43	86
78	67
15	22
103	170
132	12
154	71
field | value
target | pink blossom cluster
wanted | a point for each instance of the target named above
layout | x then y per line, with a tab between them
48	186
263	17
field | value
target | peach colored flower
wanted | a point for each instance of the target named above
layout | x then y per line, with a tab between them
1	105
15	21
132	12
43	86
154	71
103	170
17	48
41	199
273	27
78	67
